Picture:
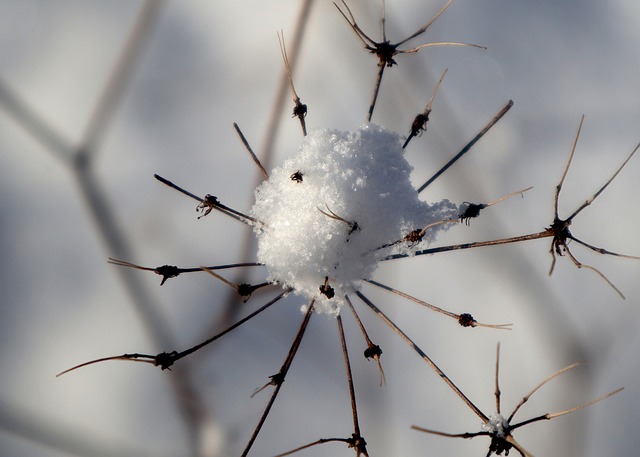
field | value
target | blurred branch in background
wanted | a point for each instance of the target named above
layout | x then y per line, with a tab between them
51	434
194	83
80	161
273	127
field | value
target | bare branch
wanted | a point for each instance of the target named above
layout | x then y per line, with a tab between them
464	319
278	379
550	416
165	360
450	435
250	151
419	123
366	40
497	391
468	146
536	388
300	109
244	290
373	351
440	43
566	168
473	209
476	244
594	196
384	50
315	443
424	356
424	28
360	444
579	264
209	202
171	271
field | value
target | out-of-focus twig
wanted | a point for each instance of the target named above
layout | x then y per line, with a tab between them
79	159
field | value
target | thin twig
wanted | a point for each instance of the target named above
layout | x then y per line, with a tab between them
419	123
594	196
373	351
424	356
566	169
536	388
360	445
415	236
500	430
376	91
385	51
234	326
300	109
250	151
171	271
464	319
603	251
450	435
275	117
473	209
279	378
521	192
315	443
114	90
266	151
477	244
469	145
497	391
550	416
166	359
580	265
244	290
209	202
560	227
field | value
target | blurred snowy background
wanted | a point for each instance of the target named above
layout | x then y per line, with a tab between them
76	191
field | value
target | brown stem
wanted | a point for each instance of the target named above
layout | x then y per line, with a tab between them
424	356
469	145
352	392
250	151
237	215
477	244
280	377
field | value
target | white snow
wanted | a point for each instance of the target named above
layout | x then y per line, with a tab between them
328	210
497	425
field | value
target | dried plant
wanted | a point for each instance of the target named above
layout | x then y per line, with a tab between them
385	51
327	217
500	429
299	109
558	230
324	255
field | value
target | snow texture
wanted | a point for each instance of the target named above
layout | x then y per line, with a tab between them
327	212
497	426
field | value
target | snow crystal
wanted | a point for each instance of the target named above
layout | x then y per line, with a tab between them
327	212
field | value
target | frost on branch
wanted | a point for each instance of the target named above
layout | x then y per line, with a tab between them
352	195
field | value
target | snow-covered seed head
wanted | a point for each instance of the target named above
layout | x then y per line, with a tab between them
497	426
351	196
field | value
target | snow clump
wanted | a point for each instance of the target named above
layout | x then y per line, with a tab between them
330	213
497	426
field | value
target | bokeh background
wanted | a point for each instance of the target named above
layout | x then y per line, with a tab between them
79	147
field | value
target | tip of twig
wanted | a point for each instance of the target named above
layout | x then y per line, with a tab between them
129	357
